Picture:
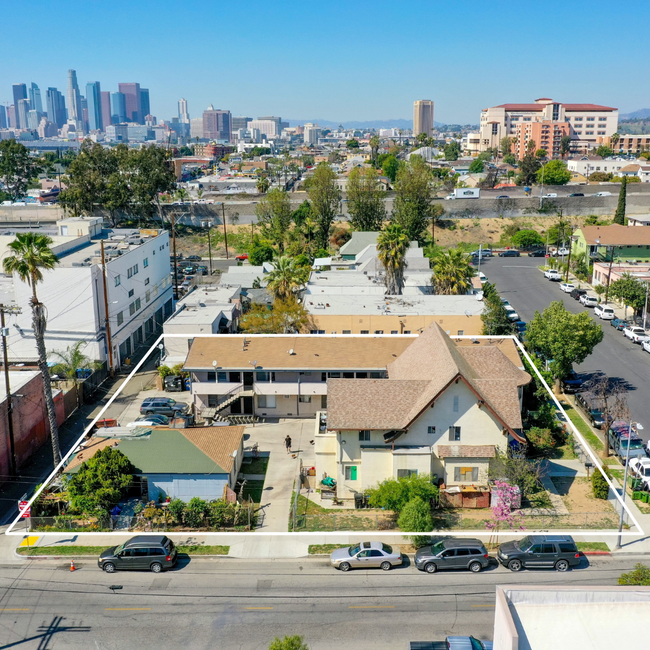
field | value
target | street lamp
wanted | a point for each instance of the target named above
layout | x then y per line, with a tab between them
627	462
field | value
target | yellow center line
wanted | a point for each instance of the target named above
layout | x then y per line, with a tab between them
372	607
128	609
258	607
15	609
482	605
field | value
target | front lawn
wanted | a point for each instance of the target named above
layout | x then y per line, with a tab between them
594	441
325	549
257	466
592	546
254	489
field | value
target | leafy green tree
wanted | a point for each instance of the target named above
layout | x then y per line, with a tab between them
365	200
452	273
554	172
562	338
324	196
495	317
70	362
517	470
630	291
295	642
176	509
506	145
260	251
565	145
392	244
638	577
416	517
619	216
413	198
101	481
274	216
476	167
394	493
285	317
285	279
527	238
301	213
390	166
528	166
352	144
30	254
17	168
600	177
604	151
599	486
452	150
340	236
509	159
541	153
308	160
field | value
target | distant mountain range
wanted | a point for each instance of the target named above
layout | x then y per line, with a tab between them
371	124
637	115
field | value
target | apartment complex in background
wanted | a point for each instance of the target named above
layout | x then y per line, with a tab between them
546	122
423	117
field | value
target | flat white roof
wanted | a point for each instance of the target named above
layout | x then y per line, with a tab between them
17	379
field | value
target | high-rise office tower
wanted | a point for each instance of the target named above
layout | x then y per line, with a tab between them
423	117
74	98
20	92
118	108
240	122
3	117
94	101
11	117
217	124
145	107
183	113
55	107
21	113
106	108
35	98
133	101
33	119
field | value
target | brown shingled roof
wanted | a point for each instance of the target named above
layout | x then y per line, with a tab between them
217	443
616	235
87	451
466	451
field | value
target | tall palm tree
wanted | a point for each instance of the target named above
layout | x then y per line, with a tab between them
72	360
392	245
374	143
452	273
285	278
32	254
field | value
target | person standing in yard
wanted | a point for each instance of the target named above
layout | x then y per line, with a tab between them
287	443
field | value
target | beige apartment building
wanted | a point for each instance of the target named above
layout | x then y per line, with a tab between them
588	124
423	117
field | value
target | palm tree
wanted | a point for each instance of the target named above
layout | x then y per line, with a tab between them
374	143
452	273
32	254
182	194
392	245
72	360
285	278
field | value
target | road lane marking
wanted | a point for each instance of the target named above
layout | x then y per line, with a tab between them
258	607
482	605
128	609
15	609
371	607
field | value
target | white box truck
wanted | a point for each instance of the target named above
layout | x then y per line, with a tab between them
464	193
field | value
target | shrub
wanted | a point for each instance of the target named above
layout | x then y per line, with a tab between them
541	440
260	252
195	513
639	577
599	485
289	643
416	516
164	371
394	494
176	509
527	238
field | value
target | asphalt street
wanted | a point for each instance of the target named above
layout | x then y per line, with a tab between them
242	605
524	286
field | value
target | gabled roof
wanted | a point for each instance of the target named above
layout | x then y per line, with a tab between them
616	235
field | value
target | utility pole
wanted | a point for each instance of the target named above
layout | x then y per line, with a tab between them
225	231
109	343
609	274
208	225
173	220
568	262
10	416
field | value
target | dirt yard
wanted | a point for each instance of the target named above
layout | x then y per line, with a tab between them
577	496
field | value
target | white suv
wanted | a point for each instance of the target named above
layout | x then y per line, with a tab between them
589	301
553	274
604	313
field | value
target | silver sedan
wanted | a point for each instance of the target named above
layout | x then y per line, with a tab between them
366	555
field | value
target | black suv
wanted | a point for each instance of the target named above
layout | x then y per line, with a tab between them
151	553
576	293
164	406
590	404
509	253
557	552
571	383
453	553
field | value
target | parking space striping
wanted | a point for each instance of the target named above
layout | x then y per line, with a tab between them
15	609
128	609
371	607
482	605
258	608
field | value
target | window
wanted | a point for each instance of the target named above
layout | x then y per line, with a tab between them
145	262
147	296
405	473
131	292
449	553
266	401
462	551
379	331
364	435
138	304
120	317
375	374
407	331
348	375
141	552
323	401
535	548
365	332
346	332
335	375
578	119
117	280
461	333
146	281
362	375
431	430
351	474
591	119
157	551
548	548
222	377
263	375
602	119
568	548
376	553
212	376
132	271
465	474
394	332
589	132
132	309
213	401
601	132
455	403
304	399
454	434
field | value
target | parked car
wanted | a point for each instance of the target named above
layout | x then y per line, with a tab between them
557	552
560	252
509	253
503	196
646	345
202	269
155	420
538	252
577	194
590	404
553	274
622	443
589	301
604	313
485	252
619	323
452	643
577	293
145	552
193	258
567	287
571	383
173	383
640	468
452	553
512	314
164	406
242	257
366	555
636	334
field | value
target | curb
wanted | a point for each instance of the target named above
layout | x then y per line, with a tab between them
85	557
596	553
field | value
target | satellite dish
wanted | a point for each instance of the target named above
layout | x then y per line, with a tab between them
214	364
291	351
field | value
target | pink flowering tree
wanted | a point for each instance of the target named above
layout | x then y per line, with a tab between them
504	510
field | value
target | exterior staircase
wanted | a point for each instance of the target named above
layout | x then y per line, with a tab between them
234	397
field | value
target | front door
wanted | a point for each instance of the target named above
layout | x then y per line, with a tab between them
363	559
248	405
534	556
235	407
248	380
462	558
447	559
548	556
141	558
126	560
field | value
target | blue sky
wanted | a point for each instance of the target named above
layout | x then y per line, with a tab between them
335	60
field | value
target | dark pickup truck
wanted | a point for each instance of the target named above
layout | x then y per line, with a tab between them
571	383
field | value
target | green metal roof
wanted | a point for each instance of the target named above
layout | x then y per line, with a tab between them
167	451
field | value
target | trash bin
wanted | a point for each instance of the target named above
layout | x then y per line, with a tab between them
358	501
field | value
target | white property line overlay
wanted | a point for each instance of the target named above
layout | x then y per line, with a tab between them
472	533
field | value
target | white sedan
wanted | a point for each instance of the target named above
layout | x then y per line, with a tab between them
636	334
567	287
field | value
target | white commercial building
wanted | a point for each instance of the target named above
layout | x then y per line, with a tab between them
311	133
587	165
138	292
268	128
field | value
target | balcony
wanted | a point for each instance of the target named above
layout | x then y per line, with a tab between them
291	388
215	388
